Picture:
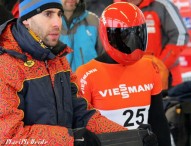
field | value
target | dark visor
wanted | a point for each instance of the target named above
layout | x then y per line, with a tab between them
128	39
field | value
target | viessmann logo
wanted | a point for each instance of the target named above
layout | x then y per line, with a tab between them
124	90
83	81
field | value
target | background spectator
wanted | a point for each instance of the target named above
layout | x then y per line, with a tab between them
97	6
5	14
80	32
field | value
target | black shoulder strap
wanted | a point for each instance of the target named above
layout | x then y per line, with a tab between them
13	53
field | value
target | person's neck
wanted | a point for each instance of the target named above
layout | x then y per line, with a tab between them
68	14
106	59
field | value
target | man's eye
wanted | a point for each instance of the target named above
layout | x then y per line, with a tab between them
48	14
60	14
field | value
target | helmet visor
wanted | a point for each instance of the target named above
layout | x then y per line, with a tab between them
128	39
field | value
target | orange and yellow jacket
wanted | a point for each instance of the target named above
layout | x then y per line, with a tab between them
39	101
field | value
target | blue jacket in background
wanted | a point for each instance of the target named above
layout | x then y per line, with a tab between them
82	36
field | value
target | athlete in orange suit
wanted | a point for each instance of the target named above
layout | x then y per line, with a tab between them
122	84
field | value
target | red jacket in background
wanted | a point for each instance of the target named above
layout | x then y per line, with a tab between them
167	34
15	10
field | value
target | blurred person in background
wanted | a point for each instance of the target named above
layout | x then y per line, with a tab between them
5	14
12	6
97	6
15	10
80	32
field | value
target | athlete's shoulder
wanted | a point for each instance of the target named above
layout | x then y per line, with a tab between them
87	66
150	62
146	59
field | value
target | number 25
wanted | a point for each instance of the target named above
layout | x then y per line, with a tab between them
138	114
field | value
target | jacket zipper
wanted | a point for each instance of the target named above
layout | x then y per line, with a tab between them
82	55
46	64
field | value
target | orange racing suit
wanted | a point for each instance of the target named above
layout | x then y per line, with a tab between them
128	95
119	91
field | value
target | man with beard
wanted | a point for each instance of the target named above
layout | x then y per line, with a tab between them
39	97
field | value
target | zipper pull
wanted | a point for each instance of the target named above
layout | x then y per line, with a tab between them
46	63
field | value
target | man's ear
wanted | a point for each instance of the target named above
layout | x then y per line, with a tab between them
26	23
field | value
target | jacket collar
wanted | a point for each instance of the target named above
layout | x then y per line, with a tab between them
74	21
21	41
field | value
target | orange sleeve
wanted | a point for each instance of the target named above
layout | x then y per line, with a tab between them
100	124
157	79
163	70
83	84
12	128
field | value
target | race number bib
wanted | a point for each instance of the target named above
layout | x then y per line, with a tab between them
128	117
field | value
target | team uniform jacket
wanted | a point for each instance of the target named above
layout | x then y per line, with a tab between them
38	93
166	31
129	95
119	95
82	36
167	34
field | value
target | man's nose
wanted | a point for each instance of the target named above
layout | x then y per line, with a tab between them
57	21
